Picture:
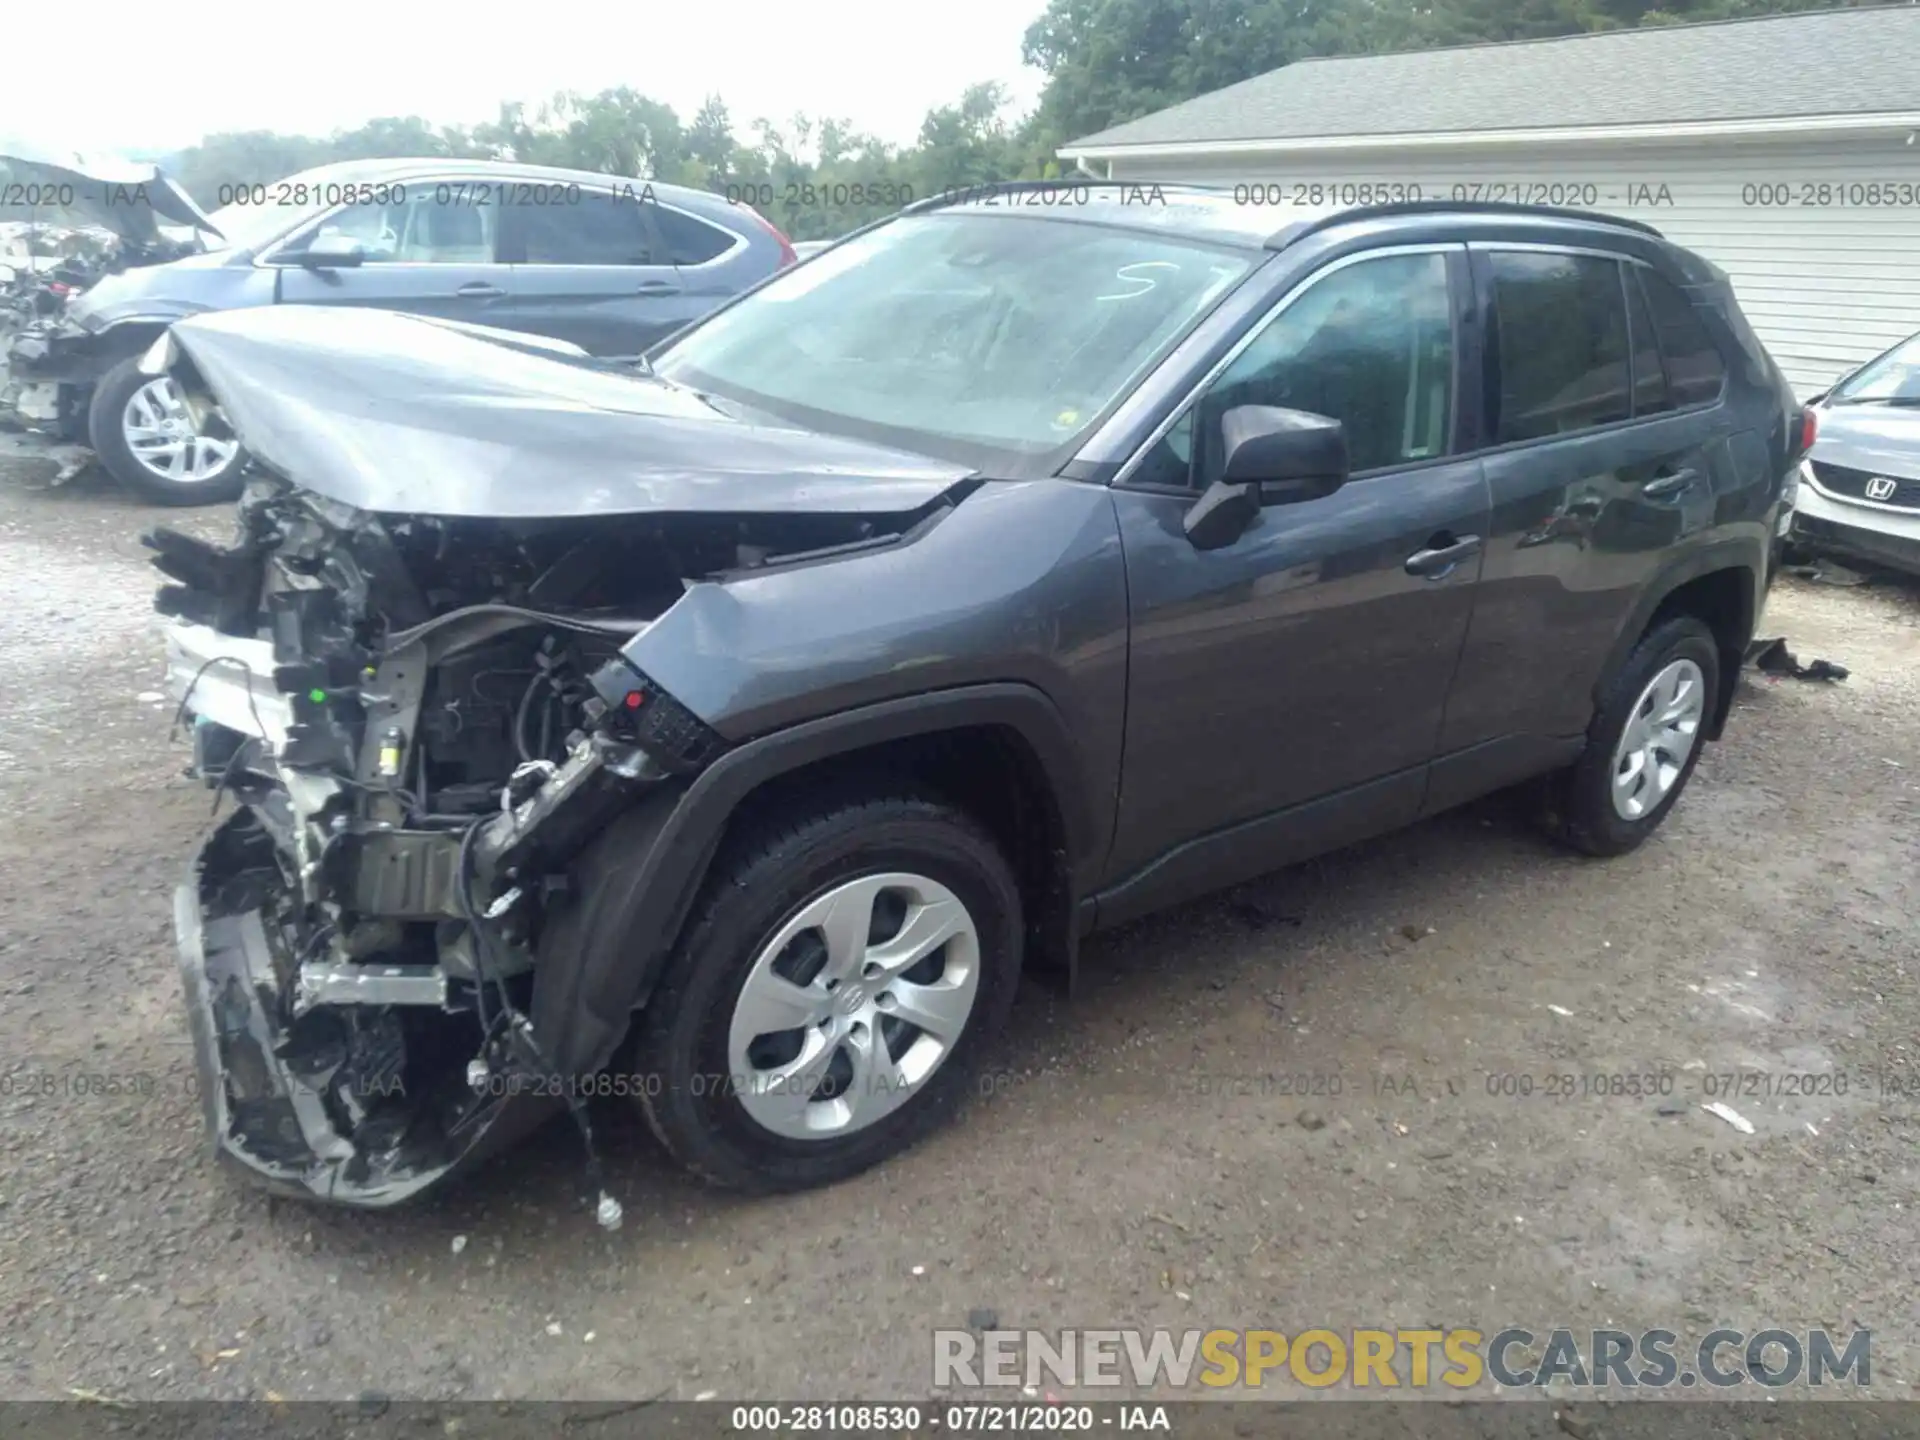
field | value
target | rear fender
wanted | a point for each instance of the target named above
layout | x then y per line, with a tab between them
1749	559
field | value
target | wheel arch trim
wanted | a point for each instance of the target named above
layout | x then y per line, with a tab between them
642	874
1731	555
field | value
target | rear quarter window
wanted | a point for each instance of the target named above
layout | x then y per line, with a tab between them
1695	371
690	241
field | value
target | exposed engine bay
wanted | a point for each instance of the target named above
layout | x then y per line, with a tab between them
422	720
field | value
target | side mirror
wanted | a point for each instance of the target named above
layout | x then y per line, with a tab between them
1270	456
331	252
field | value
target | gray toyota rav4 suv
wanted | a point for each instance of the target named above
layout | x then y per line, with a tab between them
1019	565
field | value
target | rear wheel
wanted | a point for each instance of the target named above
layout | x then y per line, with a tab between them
1643	743
140	428
830	1002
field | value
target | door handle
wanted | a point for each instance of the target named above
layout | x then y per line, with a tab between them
656	287
1665	487
1443	552
479	290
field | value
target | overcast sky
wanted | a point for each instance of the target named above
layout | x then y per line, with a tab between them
123	77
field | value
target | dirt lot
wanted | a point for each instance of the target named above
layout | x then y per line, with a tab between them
1140	1162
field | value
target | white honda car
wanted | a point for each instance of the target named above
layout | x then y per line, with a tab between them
1859	496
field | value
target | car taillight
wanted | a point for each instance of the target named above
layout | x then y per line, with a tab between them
787	254
60	287
1809	427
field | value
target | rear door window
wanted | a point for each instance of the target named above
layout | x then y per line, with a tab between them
1695	371
594	229
1558	358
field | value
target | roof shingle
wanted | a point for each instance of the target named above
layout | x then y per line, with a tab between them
1827	62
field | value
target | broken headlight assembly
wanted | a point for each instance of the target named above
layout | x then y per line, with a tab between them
422	723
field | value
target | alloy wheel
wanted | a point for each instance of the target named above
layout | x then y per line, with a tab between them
1661	731
852	1005
160	435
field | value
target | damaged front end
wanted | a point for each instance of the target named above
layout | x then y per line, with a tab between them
414	764
422	721
86	222
410	672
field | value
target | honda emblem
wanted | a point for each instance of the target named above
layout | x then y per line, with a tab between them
1879	488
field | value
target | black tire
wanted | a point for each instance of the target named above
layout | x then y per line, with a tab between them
1580	811
758	883
105	432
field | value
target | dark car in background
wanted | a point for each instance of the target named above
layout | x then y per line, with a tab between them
1003	573
608	264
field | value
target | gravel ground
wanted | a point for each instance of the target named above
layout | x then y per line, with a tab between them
1141	1160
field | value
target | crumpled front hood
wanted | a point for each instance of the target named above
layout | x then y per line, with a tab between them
129	199
1882	438
397	413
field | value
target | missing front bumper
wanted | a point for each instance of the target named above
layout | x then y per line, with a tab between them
299	1103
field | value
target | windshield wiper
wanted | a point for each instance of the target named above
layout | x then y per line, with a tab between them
1900	400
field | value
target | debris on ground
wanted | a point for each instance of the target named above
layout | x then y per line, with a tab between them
1823	571
67	459
1732	1116
1771	657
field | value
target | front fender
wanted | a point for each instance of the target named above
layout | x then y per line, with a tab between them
66	354
640	877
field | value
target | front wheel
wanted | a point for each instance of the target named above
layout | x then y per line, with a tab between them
141	430
831	999
1643	744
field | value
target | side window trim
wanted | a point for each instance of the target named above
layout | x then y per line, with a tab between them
1124	477
1630	277
270	256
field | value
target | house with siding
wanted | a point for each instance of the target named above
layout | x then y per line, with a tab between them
1786	149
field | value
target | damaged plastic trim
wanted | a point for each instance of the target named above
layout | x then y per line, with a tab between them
425	722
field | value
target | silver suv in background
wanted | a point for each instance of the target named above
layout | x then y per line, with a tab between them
1859	495
608	264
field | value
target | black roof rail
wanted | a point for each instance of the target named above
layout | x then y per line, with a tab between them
1280	239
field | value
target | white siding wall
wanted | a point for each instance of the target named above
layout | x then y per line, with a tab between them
1826	285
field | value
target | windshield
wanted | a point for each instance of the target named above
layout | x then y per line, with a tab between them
960	333
1893	379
